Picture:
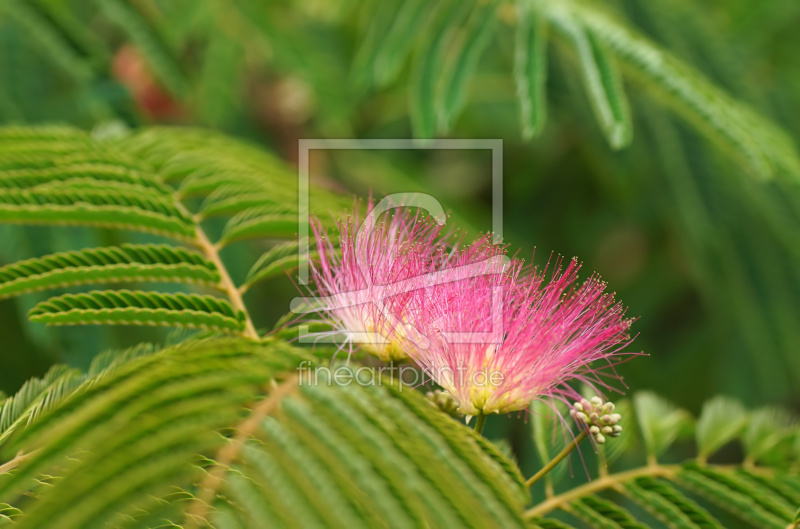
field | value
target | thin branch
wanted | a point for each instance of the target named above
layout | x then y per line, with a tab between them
556	460
11	464
226	285
610	481
215	478
599	484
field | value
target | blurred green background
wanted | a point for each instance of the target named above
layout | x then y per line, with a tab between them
703	252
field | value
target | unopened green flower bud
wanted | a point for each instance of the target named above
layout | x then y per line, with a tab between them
597	402
444	401
607	430
578	406
594	430
608	407
600	439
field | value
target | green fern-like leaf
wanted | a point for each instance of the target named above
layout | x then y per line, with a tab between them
79	172
68	22
11	134
124	444
63	176
112	196
50	40
324	454
382	53
767	428
547	439
670	505
216	186
605	48
121	209
601	78
126	263
107	362
547	523
425	88
230	175
37	146
476	35
181	152
196	389
660	421
744	134
310	449
260	222
604	514
693	494
280	259
721	420
777	486
717	488
36	397
530	69
229	199
125	307
614	451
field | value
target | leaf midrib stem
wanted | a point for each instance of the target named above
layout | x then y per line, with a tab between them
602	483
226	284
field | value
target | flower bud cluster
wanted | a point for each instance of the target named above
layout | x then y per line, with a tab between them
599	417
444	401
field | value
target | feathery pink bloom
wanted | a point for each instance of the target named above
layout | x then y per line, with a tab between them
362	281
507	336
492	332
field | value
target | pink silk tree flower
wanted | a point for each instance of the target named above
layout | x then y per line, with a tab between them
505	336
363	283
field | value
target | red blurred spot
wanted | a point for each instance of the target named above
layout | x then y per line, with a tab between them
130	69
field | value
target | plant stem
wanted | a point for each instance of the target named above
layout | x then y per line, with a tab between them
479	422
611	480
8	466
214	479
556	460
226	284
